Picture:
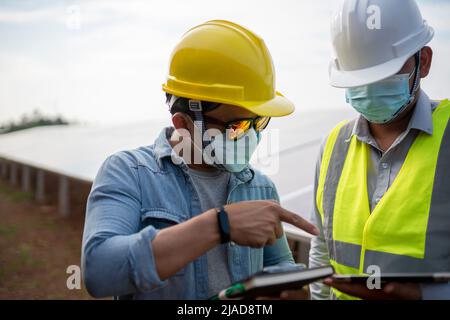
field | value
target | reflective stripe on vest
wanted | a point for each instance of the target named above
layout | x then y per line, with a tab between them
409	229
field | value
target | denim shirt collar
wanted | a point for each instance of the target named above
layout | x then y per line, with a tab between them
164	150
421	120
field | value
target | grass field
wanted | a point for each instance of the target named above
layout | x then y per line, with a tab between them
36	247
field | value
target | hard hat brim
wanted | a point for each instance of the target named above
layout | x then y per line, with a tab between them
277	107
357	78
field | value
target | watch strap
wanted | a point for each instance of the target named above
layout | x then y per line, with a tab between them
224	225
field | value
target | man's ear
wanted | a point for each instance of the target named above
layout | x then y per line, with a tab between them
181	120
425	61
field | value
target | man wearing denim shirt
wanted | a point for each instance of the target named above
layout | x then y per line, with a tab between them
177	219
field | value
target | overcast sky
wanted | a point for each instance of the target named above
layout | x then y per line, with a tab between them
105	61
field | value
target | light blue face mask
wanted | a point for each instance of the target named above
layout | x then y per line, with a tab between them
383	101
232	156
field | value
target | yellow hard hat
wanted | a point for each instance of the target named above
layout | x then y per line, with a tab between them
220	61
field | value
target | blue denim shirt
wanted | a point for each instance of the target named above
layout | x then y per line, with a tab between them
138	192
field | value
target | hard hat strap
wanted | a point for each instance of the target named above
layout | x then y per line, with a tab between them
179	104
193	108
199	121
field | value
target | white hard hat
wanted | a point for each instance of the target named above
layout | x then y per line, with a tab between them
373	39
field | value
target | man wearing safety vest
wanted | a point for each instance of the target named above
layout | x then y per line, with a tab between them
382	189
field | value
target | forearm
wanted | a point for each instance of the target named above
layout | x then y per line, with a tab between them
177	246
120	264
142	261
318	256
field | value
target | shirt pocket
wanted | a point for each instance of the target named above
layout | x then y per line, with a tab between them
161	218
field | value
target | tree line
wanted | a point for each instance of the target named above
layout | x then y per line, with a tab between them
35	119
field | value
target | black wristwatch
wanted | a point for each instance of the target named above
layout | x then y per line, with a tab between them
224	225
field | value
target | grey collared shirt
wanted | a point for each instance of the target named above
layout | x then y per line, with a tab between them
383	168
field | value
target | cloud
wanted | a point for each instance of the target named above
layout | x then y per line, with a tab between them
22	16
110	68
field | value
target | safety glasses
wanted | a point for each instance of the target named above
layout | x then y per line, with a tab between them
238	128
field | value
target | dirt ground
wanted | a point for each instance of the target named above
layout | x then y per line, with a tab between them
36	247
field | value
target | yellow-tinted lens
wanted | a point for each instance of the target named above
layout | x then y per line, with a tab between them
261	123
237	130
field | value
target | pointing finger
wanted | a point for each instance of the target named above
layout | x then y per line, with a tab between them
298	221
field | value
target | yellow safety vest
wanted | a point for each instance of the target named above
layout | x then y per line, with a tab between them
409	229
